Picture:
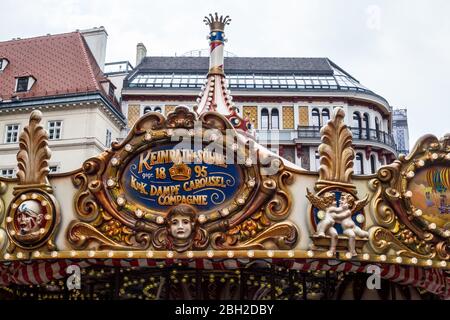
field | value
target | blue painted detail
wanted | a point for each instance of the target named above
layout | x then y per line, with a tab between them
216	36
222	183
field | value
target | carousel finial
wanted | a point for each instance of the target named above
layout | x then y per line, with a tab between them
217	23
215	95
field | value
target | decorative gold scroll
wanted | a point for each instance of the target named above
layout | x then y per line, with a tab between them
399	187
246	236
3	235
101	194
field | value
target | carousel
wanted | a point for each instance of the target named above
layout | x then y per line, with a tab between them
190	206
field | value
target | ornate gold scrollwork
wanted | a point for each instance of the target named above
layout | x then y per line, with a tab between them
278	208
383	214
409	193
33	215
382	240
3	235
254	233
101	192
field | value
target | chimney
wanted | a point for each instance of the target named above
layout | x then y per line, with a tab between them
96	39
141	53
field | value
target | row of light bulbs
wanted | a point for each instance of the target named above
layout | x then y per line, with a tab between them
231	254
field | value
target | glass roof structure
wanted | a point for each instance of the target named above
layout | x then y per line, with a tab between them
246	74
337	81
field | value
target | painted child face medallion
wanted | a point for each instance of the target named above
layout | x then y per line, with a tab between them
180	227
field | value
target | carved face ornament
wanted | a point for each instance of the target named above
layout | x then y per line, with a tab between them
29	217
181	227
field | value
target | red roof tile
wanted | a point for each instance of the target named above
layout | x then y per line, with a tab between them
61	64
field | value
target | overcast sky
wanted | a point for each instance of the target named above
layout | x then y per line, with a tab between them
398	48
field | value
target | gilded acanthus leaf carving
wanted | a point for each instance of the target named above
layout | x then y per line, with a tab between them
336	152
3	236
34	153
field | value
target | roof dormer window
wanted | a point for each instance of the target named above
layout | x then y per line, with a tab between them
3	63
108	87
24	84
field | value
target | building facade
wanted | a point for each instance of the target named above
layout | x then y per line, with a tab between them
60	75
286	100
400	129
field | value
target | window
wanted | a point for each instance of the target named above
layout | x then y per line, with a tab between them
357	124
373	164
108	137
377	127
316	118
12	133
367	125
53	169
7	173
3	64
325	116
359	164
158	109
275	119
264	119
54	130
22	84
147	109
111	90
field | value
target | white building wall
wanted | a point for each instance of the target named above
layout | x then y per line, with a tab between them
83	135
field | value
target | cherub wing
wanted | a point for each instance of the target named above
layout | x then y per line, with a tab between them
315	200
359	205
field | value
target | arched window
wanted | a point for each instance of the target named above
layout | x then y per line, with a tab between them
147	109
359	164
367	125
357	126
373	164
316	118
275	119
158	109
325	116
264	119
377	128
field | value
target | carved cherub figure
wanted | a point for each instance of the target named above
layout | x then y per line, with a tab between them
342	215
350	229
329	201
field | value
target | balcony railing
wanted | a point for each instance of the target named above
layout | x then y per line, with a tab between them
361	134
274	135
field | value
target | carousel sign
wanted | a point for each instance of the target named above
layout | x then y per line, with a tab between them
133	195
166	176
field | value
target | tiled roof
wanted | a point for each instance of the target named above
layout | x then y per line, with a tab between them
317	66
61	64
